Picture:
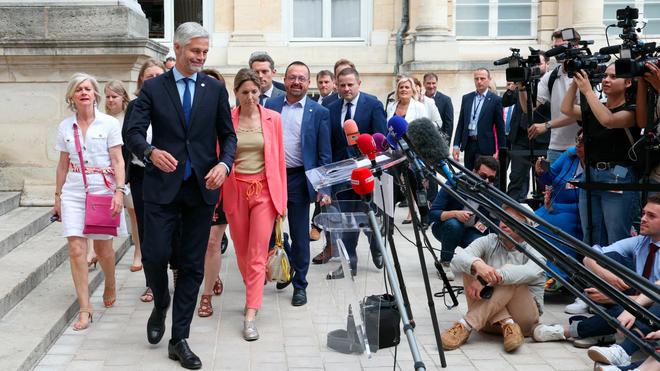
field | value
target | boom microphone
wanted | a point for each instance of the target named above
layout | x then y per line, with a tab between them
351	131
381	142
362	181
556	51
426	140
610	49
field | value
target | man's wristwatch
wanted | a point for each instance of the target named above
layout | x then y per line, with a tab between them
547	125
147	152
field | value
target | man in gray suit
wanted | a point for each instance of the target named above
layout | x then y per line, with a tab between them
264	66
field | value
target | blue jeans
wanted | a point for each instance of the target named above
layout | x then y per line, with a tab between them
452	233
611	212
553	154
631	347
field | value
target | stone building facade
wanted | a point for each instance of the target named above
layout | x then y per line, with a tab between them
44	41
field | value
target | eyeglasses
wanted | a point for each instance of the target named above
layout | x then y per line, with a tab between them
486	177
579	140
302	79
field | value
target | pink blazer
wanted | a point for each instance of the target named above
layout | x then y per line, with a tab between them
275	167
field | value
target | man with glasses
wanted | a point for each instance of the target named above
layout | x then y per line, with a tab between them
264	66
452	223
301	118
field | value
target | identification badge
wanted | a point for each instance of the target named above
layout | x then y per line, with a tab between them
480	227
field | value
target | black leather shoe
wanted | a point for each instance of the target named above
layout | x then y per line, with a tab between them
283	285
156	325
377	258
181	352
299	297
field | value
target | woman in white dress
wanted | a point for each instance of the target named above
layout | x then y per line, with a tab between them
100	141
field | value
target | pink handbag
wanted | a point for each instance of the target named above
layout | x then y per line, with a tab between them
98	216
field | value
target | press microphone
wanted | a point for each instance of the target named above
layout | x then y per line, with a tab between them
427	142
610	49
381	142
362	181
396	128
351	131
556	51
367	146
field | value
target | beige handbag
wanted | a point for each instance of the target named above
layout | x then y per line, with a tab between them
277	266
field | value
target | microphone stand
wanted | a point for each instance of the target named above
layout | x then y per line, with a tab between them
408	328
419	231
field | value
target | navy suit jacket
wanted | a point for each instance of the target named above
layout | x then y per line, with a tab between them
210	122
331	98
316	148
446	109
369	116
490	117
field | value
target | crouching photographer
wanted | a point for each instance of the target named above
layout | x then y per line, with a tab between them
609	132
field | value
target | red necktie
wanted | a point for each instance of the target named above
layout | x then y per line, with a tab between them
650	259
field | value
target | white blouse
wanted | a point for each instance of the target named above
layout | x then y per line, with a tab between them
103	133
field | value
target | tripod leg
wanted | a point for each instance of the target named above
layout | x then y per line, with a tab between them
397	267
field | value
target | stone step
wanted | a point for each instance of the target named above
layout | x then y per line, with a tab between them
9	201
25	267
20	224
30	328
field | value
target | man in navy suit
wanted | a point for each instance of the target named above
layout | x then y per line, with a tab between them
339	66
480	129
189	115
442	102
369	114
306	130
264	66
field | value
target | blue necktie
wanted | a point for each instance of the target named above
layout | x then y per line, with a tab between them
187	108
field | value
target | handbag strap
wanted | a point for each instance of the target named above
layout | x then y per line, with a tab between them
279	240
80	156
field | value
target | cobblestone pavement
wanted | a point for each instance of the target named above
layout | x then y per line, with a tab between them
294	338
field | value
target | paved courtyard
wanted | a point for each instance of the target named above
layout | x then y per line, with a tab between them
294	338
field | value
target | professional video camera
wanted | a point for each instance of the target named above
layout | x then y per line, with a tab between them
634	52
577	56
521	69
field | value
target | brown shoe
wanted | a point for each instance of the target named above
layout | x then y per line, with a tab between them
314	234
205	306
324	256
513	336
455	336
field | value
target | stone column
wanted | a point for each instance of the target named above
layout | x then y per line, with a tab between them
432	19
43	43
588	19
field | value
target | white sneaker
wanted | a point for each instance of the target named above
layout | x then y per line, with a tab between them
544	333
603	367
447	268
578	307
612	355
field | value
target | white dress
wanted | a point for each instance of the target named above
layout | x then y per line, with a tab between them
104	132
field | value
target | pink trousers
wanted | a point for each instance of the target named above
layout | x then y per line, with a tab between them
251	226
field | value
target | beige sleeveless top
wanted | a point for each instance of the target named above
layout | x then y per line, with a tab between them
249	151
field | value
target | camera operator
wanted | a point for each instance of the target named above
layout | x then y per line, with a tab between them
650	78
516	130
607	145
552	88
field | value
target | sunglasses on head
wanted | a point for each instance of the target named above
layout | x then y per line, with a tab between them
483	176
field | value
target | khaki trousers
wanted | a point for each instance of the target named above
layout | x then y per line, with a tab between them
508	301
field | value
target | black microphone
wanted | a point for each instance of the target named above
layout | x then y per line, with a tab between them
610	49
556	51
426	140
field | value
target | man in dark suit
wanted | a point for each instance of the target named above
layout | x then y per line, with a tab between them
442	102
306	131
480	129
264	66
339	66
189	115
369	114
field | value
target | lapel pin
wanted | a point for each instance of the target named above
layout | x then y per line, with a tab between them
203	85
310	110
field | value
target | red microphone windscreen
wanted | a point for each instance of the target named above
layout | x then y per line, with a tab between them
351	131
367	146
362	181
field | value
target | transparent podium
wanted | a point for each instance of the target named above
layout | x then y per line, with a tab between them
371	322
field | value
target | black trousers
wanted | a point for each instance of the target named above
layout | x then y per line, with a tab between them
189	212
137	179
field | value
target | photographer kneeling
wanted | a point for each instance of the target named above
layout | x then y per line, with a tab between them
608	138
517	297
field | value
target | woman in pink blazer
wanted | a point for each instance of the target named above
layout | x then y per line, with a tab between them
255	190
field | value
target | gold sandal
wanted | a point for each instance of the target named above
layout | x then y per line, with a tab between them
109	300
78	326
